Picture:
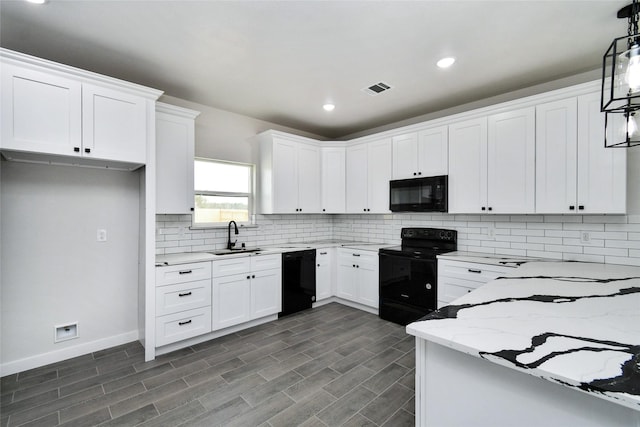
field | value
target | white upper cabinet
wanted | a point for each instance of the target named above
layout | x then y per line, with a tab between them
368	176
420	154
41	112
114	125
492	164
289	177
468	166
602	172
175	140
556	156
53	110
333	179
575	173
511	162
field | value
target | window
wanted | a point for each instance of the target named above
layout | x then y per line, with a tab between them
223	192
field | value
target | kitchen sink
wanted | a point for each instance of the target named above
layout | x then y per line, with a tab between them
234	251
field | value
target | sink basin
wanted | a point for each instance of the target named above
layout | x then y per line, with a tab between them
234	251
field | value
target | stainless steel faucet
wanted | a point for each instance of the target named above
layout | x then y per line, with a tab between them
230	244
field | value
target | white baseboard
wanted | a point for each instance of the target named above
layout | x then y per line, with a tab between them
36	361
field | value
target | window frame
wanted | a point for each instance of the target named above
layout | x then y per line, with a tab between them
250	196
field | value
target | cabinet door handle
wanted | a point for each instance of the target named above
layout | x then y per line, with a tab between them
76	149
571	207
186	294
490	208
323	253
318	265
253	276
87	150
472	270
580	207
248	277
185	272
184	323
483	208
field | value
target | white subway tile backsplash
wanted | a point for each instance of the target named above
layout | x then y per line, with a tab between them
612	238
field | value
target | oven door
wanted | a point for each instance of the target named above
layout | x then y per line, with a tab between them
408	280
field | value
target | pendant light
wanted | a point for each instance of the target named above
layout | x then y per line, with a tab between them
621	84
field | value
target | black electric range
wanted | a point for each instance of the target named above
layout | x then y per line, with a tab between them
409	273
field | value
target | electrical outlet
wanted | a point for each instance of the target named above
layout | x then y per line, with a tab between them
101	235
585	237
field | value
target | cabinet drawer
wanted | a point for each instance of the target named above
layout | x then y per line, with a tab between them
362	256
481	273
183	325
182	297
229	266
266	262
173	274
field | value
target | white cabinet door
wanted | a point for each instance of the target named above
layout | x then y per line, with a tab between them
334	180
114	125
357	180
468	166
405	158
556	161
231	303
285	176
175	140
433	153
602	172
266	293
368	283
323	274
308	173
378	175
347	277
511	162
40	112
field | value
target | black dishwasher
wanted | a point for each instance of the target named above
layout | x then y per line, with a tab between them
298	281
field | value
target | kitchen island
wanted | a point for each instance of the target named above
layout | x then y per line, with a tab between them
553	344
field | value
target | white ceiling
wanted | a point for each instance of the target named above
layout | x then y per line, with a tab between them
281	60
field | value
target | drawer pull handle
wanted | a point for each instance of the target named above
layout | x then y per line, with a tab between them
471	270
186	294
404	295
355	254
323	253
185	272
184	323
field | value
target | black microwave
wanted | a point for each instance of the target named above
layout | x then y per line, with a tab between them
428	194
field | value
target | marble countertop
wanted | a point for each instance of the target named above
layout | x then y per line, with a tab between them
490	259
573	323
189	257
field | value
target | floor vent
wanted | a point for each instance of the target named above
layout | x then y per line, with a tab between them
377	89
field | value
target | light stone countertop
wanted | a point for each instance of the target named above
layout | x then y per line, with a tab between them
573	323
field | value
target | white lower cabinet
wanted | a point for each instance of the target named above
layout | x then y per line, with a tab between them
457	278
358	276
245	288
183	302
324	273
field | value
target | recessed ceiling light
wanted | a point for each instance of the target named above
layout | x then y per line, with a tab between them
37	1
446	62
328	107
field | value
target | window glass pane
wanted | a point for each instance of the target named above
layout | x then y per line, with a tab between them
221	209
223	177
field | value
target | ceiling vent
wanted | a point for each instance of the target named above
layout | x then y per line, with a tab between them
377	89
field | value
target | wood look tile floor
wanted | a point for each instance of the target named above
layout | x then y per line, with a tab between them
330	366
